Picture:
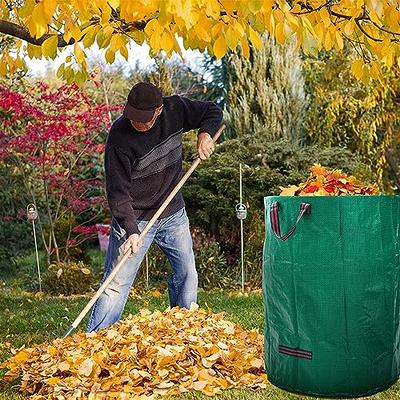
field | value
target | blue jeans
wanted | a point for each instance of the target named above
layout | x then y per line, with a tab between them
172	235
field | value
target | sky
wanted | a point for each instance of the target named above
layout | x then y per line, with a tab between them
137	53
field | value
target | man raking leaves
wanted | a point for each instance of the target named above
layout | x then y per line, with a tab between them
143	164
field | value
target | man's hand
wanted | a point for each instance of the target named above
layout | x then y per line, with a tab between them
205	145
132	244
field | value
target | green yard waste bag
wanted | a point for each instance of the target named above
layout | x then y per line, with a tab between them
331	287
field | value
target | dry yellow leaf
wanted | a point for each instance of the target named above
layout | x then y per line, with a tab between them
289	191
53	380
64	366
86	367
21	356
52	350
145	356
155	293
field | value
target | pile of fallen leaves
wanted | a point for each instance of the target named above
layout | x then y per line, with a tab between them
326	182
142	357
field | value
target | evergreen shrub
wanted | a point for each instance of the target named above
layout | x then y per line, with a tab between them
68	278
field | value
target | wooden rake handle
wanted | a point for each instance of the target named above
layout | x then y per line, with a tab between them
122	261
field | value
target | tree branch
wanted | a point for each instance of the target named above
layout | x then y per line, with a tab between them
385	30
20	32
366	33
310	9
343	16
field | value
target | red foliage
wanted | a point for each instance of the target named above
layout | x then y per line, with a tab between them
90	230
56	136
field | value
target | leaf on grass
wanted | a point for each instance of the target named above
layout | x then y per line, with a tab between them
147	355
21	356
155	293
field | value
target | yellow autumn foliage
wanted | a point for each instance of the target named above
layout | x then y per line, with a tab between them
212	25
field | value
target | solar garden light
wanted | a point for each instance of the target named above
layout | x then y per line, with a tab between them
241	213
32	214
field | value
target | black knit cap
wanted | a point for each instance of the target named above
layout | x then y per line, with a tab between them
143	99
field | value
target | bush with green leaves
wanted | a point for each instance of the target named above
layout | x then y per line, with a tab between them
63	228
25	273
159	269
211	264
213	190
212	268
68	278
16	239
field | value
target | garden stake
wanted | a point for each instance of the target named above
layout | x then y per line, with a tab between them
32	215
141	236
241	213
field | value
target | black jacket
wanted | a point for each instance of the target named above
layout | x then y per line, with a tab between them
142	168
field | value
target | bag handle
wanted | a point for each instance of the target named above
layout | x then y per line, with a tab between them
305	208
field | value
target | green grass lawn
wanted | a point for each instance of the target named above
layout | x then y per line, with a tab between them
26	319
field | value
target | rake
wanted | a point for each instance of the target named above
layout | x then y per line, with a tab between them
115	270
